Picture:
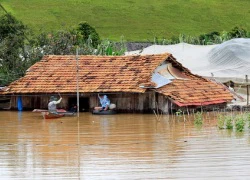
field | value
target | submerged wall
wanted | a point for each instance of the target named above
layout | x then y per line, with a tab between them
125	102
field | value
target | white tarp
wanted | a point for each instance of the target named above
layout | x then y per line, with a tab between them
227	61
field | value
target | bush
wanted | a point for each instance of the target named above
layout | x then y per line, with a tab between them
88	32
239	123
229	122
198	119
238	32
221	121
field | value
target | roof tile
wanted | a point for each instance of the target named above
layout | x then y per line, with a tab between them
116	74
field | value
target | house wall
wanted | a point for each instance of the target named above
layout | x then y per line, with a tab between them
35	102
125	102
163	104
129	102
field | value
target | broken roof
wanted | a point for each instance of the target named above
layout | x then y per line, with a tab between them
58	73
196	92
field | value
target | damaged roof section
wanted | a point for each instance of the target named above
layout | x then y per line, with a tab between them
187	89
197	92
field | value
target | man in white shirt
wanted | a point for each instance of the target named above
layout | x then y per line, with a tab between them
52	104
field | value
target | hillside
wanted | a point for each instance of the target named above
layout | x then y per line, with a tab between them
136	20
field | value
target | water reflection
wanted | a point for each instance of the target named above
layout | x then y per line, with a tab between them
19	115
124	146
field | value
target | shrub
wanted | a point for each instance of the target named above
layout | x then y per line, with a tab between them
221	121
239	123
238	32
229	122
198	118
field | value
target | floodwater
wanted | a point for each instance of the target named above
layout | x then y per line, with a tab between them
122	146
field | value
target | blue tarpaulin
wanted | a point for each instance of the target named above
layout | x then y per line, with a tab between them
19	103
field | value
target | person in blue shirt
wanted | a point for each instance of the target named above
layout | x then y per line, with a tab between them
104	101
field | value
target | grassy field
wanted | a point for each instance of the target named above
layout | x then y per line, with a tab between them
136	20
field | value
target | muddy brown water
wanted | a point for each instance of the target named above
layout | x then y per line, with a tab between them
122	146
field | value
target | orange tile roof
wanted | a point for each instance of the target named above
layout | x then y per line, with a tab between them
96	74
195	91
57	73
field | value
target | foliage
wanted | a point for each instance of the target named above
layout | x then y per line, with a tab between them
229	122
209	38
88	33
238	32
221	121
10	27
198	118
240	123
58	43
248	119
109	48
179	112
213	37
12	49
18	53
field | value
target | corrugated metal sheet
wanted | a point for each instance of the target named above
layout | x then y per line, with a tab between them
160	80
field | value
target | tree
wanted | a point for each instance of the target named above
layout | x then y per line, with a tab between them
88	33
10	26
61	43
12	38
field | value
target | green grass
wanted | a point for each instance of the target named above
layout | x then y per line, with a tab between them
136	20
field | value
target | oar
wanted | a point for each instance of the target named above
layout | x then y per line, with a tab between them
62	101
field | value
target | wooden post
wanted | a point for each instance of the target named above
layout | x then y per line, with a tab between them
247	90
77	81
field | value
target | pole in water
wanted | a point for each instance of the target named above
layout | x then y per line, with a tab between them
77	81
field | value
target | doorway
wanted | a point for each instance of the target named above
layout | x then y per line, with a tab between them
83	103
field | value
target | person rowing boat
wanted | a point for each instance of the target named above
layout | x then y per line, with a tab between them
52	104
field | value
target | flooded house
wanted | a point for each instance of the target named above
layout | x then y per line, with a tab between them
136	83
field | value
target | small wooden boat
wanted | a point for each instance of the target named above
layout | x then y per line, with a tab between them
48	115
67	113
45	110
102	112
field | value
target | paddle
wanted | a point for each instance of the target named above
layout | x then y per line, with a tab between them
62	103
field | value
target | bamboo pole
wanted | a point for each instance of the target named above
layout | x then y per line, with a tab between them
77	81
247	90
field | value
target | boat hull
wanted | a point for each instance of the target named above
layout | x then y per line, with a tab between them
45	110
108	112
47	115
